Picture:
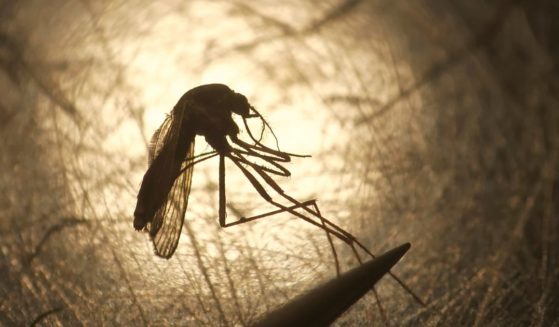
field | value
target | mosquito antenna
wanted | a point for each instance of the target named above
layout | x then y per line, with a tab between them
262	132
263	147
265	123
250	132
262	129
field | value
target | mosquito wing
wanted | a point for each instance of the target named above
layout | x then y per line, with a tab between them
166	226
165	134
166	185
164	159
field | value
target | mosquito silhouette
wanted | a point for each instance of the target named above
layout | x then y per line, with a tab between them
207	110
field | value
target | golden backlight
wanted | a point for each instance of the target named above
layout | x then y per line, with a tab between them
309	87
419	129
301	87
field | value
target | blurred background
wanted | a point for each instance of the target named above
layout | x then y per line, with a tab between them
430	122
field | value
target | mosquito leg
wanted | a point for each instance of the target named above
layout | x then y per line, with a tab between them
282	156
352	241
222	213
261	171
260	189
380	308
334	253
351	237
208	155
279	169
348	239
266	214
396	278
327	225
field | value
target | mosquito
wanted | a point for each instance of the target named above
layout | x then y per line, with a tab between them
207	110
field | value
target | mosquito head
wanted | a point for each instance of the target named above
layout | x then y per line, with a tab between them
239	105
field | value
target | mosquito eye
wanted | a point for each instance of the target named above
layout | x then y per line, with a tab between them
239	105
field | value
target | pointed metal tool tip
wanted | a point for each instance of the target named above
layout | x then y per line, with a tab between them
324	304
400	250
